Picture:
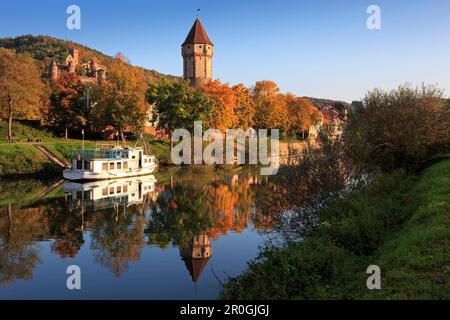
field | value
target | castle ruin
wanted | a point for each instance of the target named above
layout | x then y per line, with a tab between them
90	72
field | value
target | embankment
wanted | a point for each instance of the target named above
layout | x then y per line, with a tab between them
400	223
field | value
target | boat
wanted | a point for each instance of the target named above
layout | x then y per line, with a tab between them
107	162
104	194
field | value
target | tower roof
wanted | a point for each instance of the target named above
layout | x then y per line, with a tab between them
197	35
195	267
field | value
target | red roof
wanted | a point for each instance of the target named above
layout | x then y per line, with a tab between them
197	35
195	267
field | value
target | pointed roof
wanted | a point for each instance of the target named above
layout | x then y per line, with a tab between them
195	267
197	35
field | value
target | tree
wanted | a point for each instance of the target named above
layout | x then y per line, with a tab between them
302	114
223	99
245	108
67	105
121	57
178	105
270	107
123	104
21	88
401	128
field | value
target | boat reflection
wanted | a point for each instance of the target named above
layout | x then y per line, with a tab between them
110	193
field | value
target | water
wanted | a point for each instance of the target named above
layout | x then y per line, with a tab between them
175	235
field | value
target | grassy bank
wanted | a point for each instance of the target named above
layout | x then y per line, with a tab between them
400	223
23	159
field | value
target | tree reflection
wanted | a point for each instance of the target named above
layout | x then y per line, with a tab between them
18	254
187	213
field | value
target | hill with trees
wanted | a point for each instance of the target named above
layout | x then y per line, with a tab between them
45	49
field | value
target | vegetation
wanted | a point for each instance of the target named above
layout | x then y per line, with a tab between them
23	159
45	49
392	219
400	223
24	132
20	87
401	128
133	96
67	106
122	103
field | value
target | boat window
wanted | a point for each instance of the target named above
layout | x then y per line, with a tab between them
125	188
105	166
104	191
119	189
111	190
87	165
111	166
119	165
125	165
79	164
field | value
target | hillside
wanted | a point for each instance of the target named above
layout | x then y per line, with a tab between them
46	49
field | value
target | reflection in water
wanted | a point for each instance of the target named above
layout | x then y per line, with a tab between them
196	255
117	219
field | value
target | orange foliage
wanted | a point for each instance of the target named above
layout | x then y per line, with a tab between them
270	107
223	115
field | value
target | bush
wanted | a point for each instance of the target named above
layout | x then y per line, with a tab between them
312	269
401	128
360	221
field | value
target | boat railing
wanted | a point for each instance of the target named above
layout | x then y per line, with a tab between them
91	154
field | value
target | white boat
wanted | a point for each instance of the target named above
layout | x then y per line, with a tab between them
109	162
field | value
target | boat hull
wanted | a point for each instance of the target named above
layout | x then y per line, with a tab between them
81	175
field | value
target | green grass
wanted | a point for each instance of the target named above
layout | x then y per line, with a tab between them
24	132
24	191
400	223
23	159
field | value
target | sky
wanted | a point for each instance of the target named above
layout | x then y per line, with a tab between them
316	48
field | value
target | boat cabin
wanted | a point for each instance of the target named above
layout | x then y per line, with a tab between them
116	159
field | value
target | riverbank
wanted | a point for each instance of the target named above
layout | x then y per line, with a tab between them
400	223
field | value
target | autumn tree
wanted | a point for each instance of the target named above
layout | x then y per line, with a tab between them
302	114
121	57
123	104
21	87
223	98
270	107
401	128
67	107
245	108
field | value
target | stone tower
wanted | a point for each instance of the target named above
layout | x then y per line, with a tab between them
197	52
54	71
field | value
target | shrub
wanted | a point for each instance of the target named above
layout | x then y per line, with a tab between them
401	128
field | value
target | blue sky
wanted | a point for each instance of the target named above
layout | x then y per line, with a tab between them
311	48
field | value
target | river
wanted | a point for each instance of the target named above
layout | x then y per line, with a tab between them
175	235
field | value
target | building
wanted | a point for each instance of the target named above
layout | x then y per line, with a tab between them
90	72
197	52
196	255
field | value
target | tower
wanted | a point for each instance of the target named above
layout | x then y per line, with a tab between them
197	52
196	255
54	71
74	56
